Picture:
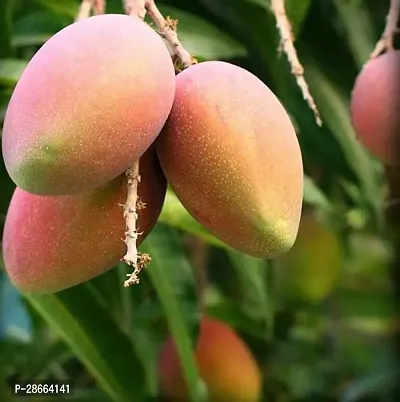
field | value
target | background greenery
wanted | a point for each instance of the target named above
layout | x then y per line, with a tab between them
107	338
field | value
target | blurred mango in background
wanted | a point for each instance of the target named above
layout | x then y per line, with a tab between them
311	270
224	361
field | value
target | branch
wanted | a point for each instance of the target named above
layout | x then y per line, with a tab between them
167	27
87	6
287	38
132	257
386	41
134	8
85	10
99	6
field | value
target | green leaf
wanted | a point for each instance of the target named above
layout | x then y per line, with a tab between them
253	277
5	96
334	109
314	196
95	338
203	39
33	29
296	11
11	70
175	215
172	276
359	29
374	384
64	7
5	392
6	11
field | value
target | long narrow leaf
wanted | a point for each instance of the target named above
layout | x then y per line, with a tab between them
173	279
95	338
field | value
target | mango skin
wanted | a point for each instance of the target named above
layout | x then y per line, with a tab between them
89	104
51	243
311	270
375	105
231	155
224	362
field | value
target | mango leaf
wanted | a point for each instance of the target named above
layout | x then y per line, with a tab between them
335	112
5	391
86	326
65	7
359	29
172	277
296	11
5	96
253	277
203	39
35	28
175	215
375	384
136	310
11	70
314	196
6	9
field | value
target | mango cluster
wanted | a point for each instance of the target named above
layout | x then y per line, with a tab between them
101	95
224	363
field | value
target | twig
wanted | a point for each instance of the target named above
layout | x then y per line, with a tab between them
167	27
287	38
99	7
385	43
135	8
85	9
87	6
132	257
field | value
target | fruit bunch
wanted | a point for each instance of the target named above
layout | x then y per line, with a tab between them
102	95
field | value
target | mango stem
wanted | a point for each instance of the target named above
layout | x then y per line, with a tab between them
287	44
385	43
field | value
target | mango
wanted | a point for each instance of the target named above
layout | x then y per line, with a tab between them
375	105
51	243
231	155
88	105
311	270
224	362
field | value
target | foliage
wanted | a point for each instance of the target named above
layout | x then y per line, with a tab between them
107	338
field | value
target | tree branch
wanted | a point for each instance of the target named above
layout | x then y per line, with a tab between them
167	27
134	8
391	29
99	6
287	38
87	6
85	10
132	257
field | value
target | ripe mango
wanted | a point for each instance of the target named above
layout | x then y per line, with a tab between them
51	243
375	105
224	362
231	155
89	104
311	269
